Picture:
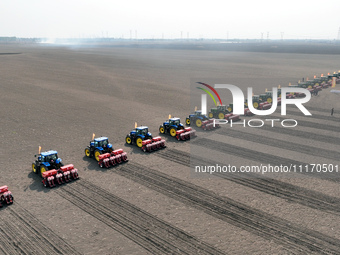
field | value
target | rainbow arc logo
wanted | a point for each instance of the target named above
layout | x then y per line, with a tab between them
209	93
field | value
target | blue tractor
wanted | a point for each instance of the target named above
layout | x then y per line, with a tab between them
46	161
138	135
197	118
97	147
171	126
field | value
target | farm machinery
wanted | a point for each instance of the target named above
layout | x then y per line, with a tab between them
6	196
103	152
201	121
45	161
144	140
52	170
309	85
247	112
259	102
221	112
336	75
175	128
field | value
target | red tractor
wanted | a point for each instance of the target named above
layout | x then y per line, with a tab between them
5	196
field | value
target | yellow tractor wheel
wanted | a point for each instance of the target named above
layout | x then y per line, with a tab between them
269	100
221	115
256	105
161	130
139	142
310	86
198	123
34	168
173	132
87	152
128	140
187	121
43	169
211	115
229	109
97	154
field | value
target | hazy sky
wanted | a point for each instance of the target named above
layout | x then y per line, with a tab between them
303	19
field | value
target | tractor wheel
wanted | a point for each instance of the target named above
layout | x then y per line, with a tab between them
187	121
269	100
211	115
87	152
310	86
128	140
173	131
34	168
256	105
198	123
139	142
43	169
221	115
96	154
161	130
229	109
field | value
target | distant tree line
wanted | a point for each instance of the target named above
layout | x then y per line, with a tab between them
8	39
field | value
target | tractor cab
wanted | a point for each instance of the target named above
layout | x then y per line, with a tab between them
221	108
323	79
269	93
49	158
142	131
306	84
263	97
101	142
330	76
198	113
317	81
175	122
256	101
46	161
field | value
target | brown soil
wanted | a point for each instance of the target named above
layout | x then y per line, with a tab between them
56	97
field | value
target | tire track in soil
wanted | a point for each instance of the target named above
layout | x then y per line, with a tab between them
261	157
303	123
288	145
315	125
151	233
317	116
23	233
289	192
292	236
303	134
